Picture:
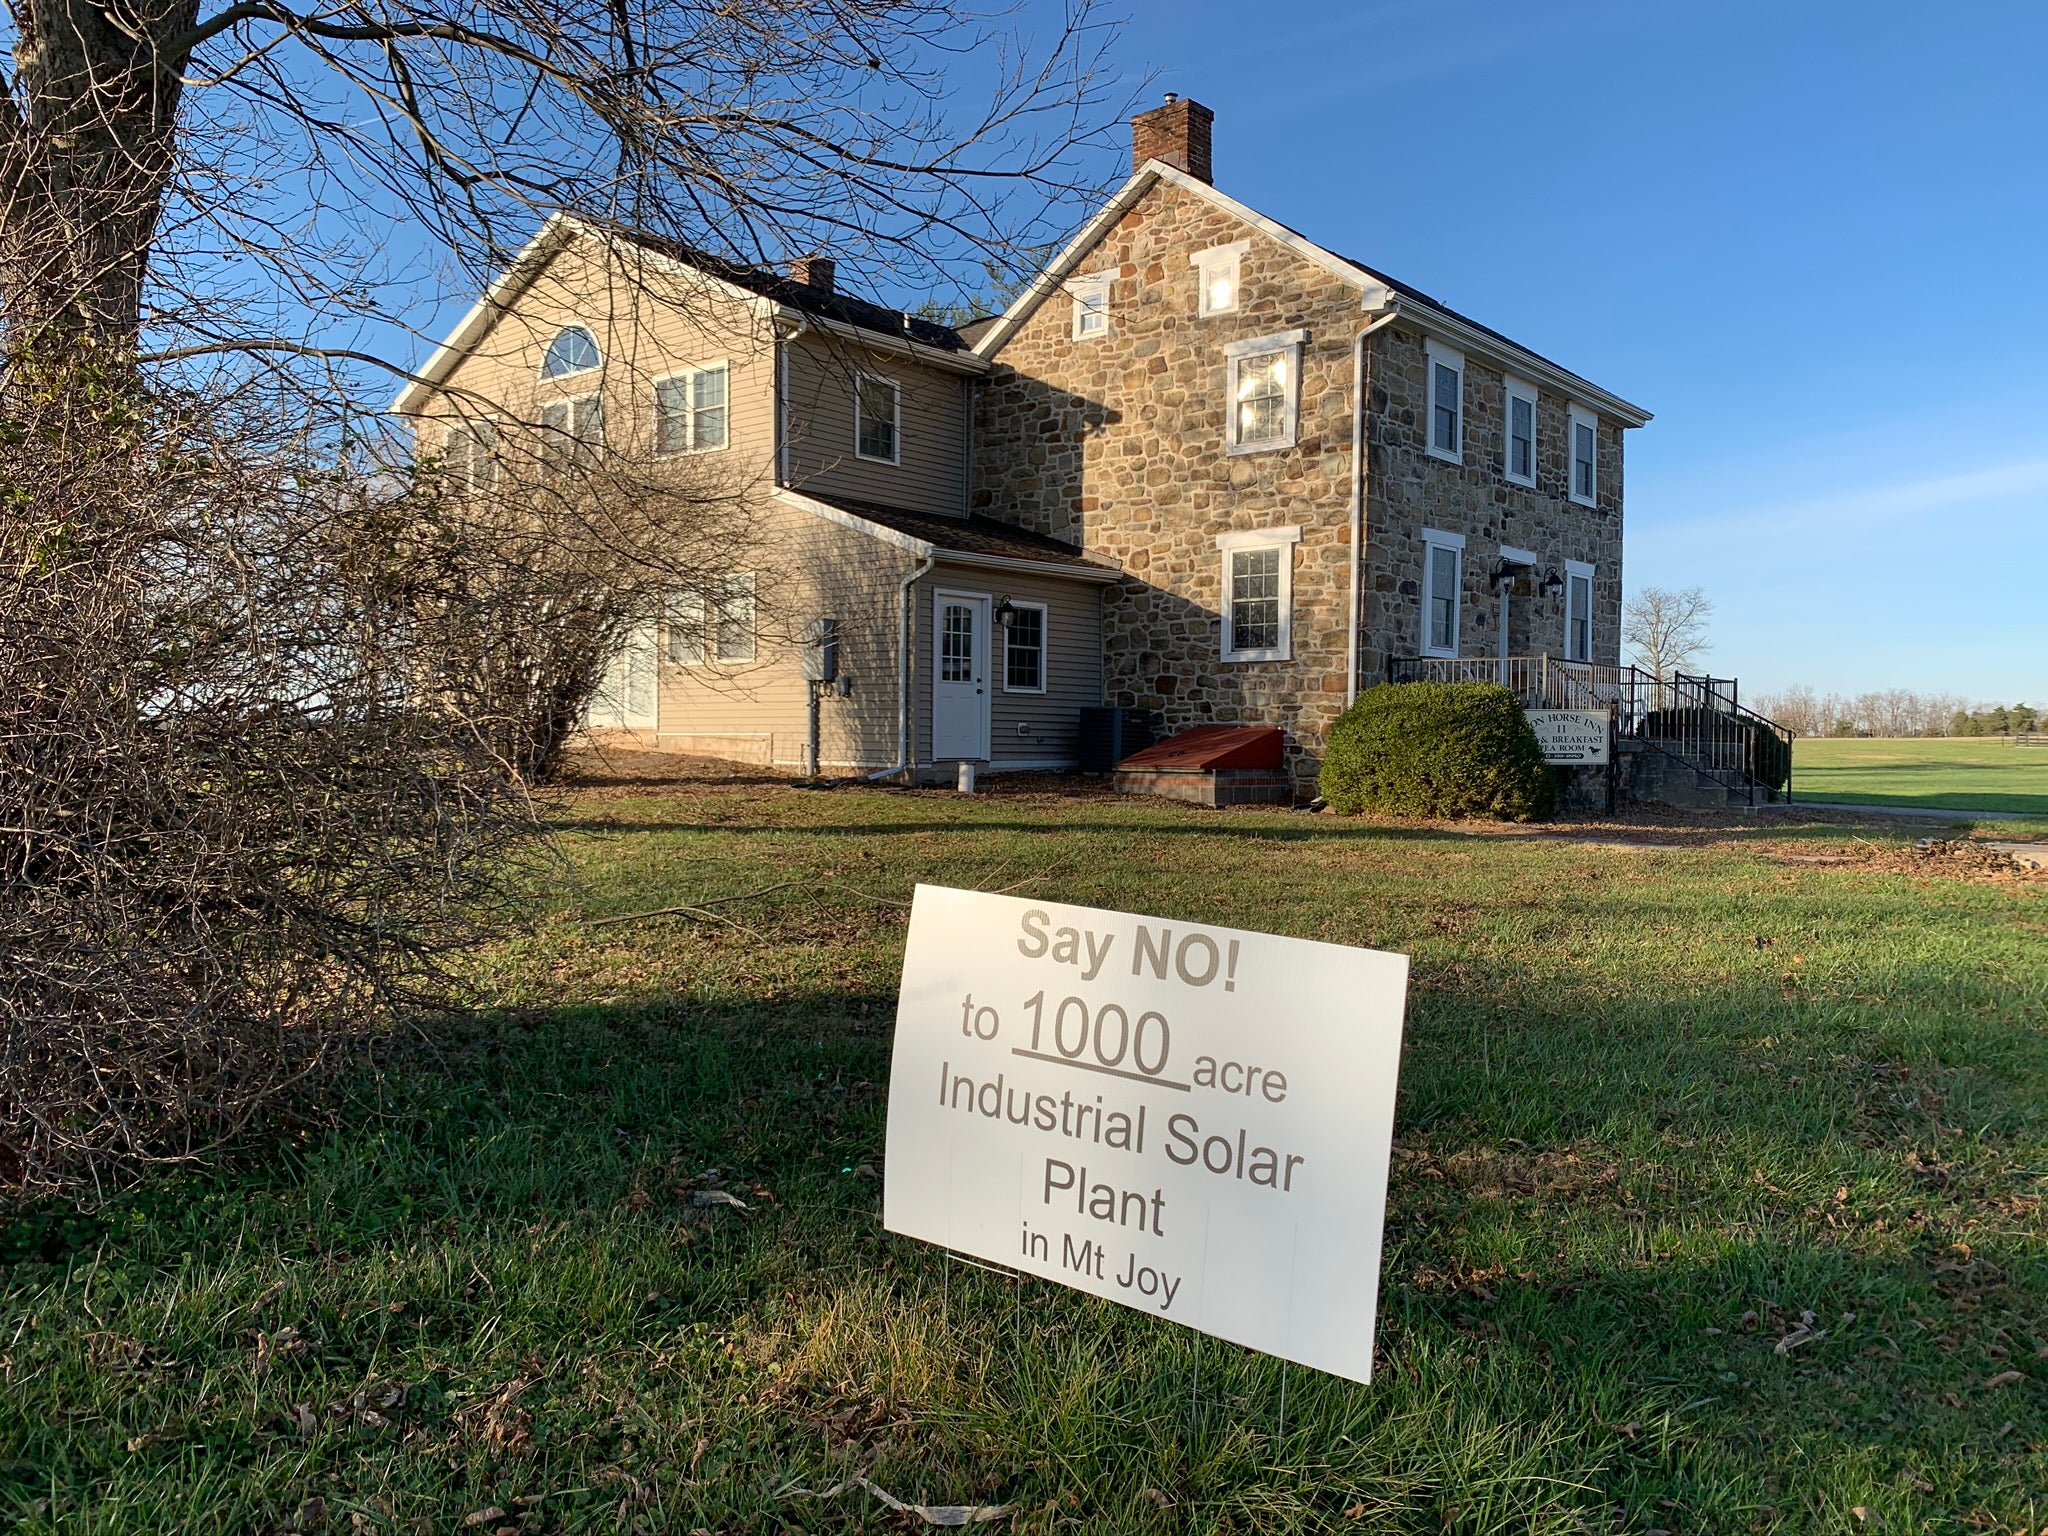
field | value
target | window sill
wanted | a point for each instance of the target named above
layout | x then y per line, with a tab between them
870	458
1281	654
1527	485
1446	456
1584	501
1024	693
1435	655
1237	450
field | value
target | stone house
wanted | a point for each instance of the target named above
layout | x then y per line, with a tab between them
1201	466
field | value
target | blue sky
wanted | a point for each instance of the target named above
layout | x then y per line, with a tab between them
1812	237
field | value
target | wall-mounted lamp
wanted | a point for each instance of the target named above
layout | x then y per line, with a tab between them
1005	611
1504	572
1552	583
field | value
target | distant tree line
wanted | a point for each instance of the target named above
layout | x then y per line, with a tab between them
1893	712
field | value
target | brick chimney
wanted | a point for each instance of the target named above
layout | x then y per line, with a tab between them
1177	133
817	272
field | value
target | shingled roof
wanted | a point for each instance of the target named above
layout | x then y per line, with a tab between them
974	537
827	305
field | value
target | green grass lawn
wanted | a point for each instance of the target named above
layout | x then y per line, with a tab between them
1717	1206
1977	773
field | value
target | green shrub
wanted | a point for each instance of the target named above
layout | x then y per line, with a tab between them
1437	749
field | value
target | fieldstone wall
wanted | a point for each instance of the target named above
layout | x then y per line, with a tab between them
1118	444
1409	489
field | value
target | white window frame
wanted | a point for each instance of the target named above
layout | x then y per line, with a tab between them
568	440
895	420
1208	265
1513	390
683	630
731	585
572	373
1578	417
1284	540
1435	355
465	432
1084	291
687	377
1580	570
1434	539
1044	646
1289	342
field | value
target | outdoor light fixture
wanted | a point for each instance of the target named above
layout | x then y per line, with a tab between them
1005	611
1504	572
1552	583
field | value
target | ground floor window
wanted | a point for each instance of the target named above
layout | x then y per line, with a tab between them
716	623
1443	558
1258	594
1578	611
1024	649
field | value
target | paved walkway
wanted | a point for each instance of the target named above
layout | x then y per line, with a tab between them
1927	813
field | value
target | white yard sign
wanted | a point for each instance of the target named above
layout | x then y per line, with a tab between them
1570	735
1193	1121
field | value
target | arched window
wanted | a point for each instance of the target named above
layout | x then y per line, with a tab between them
573	351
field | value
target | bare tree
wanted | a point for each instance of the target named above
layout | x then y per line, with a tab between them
232	837
188	181
268	688
1666	628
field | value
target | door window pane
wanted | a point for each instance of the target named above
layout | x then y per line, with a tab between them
956	643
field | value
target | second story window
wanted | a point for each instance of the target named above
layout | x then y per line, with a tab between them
471	455
1091	306
574	350
1217	271
1519	456
876	411
1585	458
572	431
1265	391
1446	402
690	411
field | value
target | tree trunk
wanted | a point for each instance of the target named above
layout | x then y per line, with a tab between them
88	156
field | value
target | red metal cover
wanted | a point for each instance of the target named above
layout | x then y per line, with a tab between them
1209	747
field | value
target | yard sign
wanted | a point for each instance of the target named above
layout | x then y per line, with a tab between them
1193	1121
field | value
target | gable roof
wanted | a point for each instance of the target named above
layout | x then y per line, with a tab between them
971	540
770	293
1379	294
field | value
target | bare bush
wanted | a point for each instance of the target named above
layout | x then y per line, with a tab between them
232	836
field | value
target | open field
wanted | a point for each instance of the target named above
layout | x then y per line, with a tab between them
1720	1204
1978	773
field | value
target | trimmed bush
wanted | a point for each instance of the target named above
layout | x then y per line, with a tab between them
1437	749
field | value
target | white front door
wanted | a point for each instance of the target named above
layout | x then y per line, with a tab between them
626	701
960	675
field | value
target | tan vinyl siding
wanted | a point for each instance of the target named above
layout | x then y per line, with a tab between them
650	321
931	472
756	711
1073	663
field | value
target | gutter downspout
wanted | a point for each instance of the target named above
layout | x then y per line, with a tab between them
1360	380
904	640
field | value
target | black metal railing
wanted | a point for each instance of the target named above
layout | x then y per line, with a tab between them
1700	720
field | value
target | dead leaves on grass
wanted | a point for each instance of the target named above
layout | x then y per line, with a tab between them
931	1514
